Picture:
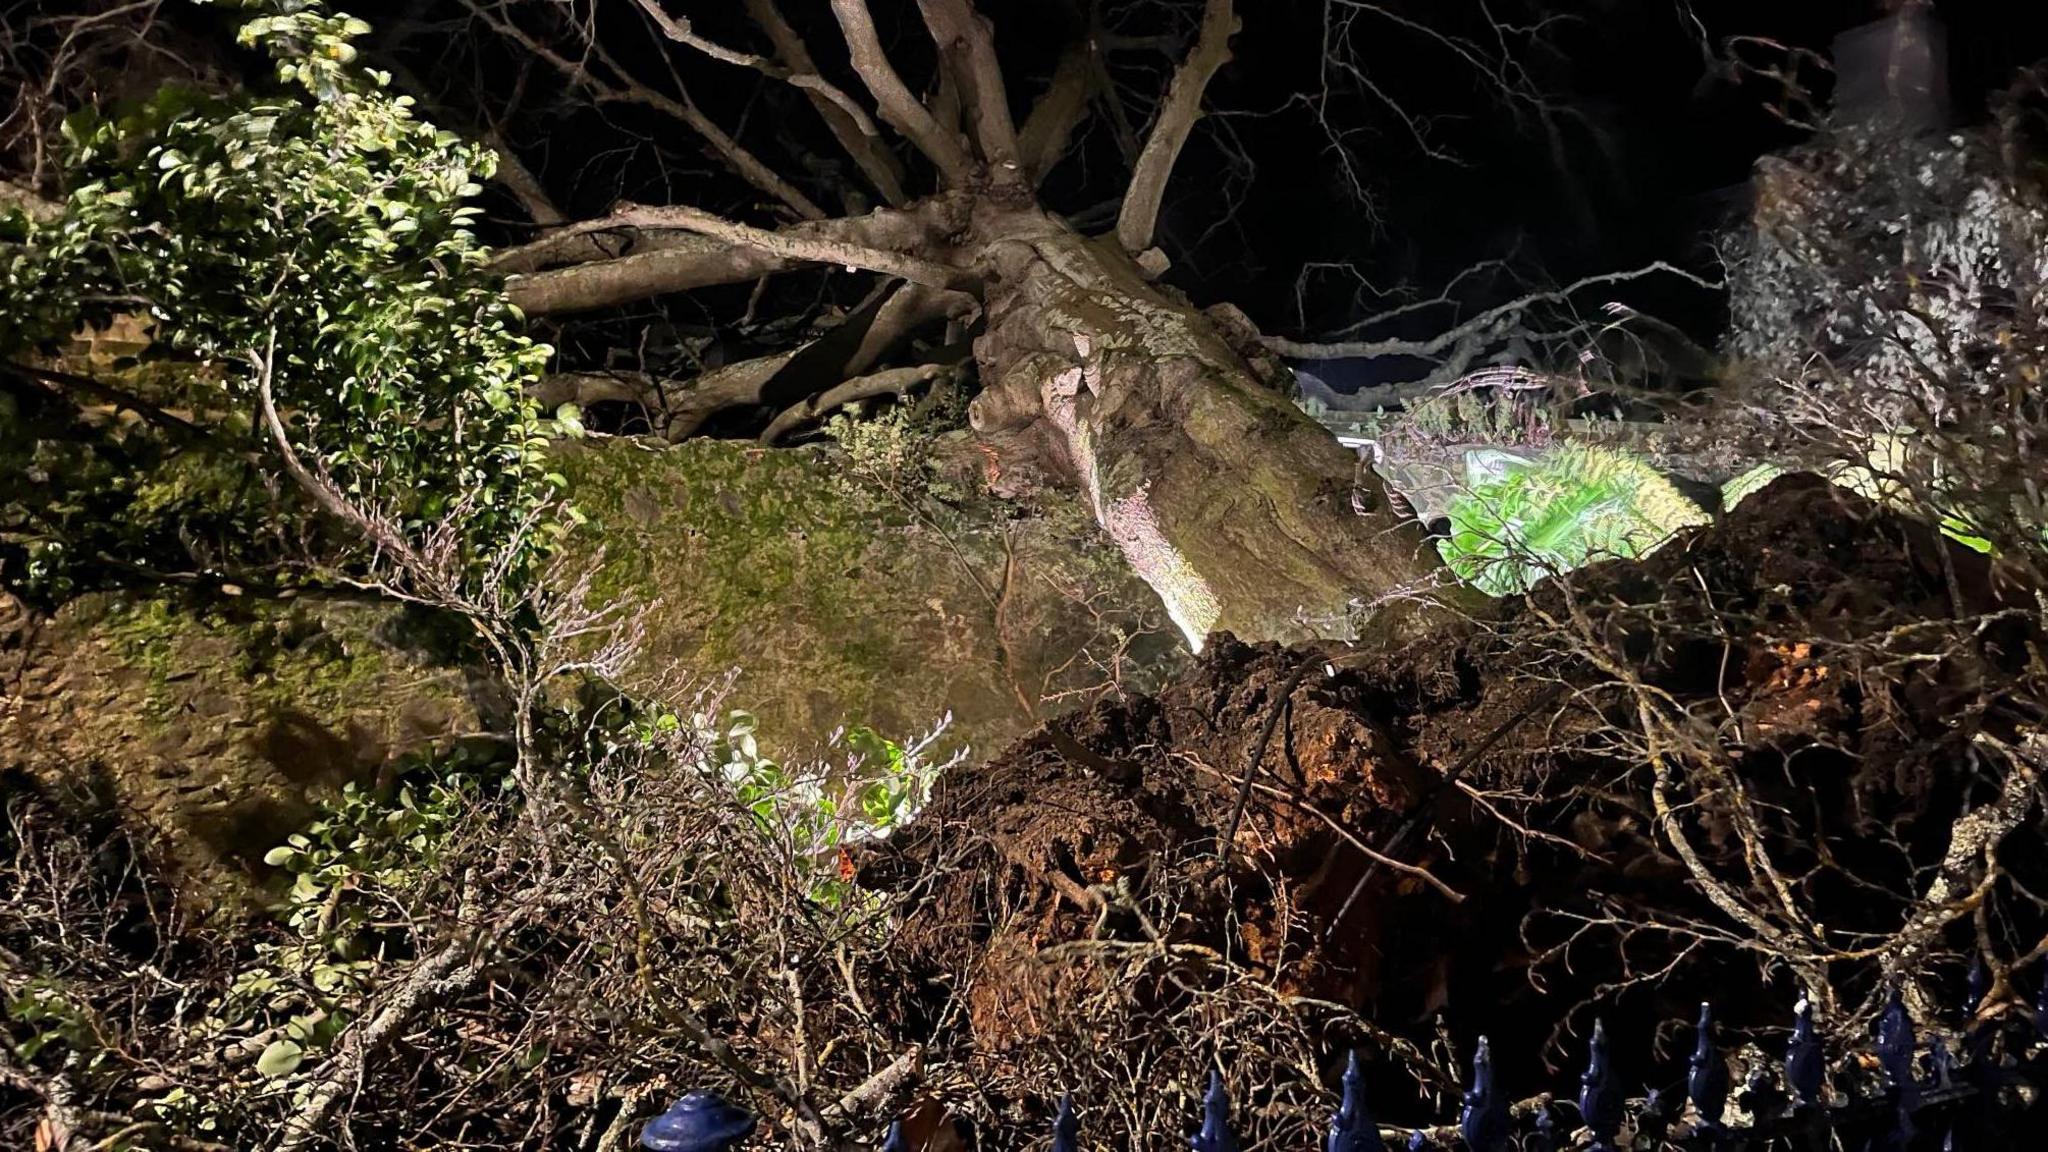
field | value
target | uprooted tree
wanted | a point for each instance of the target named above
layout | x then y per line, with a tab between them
1809	743
1092	374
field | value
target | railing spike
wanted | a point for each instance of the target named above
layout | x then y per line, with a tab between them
1215	1135
1942	1063
1418	1141
1599	1096
699	1122
1895	1046
1707	1080
1655	1119
1066	1131
1352	1129
1484	1120
1805	1061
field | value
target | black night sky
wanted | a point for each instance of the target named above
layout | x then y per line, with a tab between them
1628	138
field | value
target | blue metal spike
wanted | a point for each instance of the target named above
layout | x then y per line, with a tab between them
894	1142
1805	1062
1599	1095
1484	1120
699	1122
1418	1141
1066	1131
1895	1046
1977	986
1707	1081
1352	1129
1215	1135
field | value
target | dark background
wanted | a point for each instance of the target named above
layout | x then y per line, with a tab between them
1631	142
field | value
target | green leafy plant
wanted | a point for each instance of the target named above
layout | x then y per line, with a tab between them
1520	520
353	870
319	236
872	787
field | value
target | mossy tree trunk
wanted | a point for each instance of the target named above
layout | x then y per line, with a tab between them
1242	513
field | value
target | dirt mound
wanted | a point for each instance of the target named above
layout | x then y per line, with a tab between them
1825	651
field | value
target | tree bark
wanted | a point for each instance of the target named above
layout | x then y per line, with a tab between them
1223	496
1177	116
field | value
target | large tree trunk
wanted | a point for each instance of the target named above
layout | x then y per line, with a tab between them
1241	512
1244	514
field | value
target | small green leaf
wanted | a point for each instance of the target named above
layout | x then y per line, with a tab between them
280	1059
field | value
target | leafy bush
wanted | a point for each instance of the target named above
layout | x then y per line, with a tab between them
320	234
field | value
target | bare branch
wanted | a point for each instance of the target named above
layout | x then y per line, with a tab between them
1058	112
676	409
1177	115
1490	322
794	246
967	47
521	182
442	975
911	307
618	259
888	382
856	134
898	105
626	90
849	122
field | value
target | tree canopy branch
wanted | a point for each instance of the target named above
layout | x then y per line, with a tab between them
968	49
636	252
717	142
856	134
898	105
1057	113
1177	115
1487	321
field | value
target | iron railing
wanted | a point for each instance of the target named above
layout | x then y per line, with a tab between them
1894	1094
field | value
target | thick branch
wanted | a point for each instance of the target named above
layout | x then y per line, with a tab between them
793	246
898	105
856	134
660	258
888	382
1053	119
1177	116
967	45
910	308
605	283
676	409
524	186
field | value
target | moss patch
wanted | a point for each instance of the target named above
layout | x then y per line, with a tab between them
215	725
840	602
